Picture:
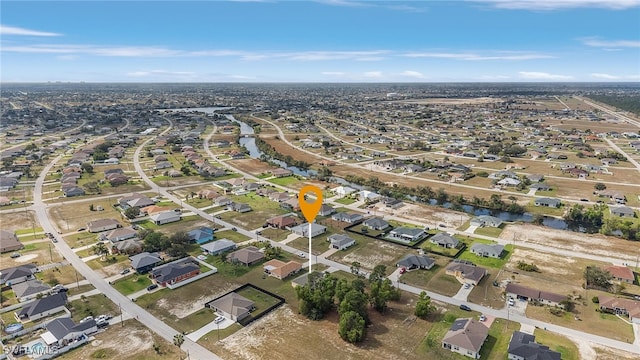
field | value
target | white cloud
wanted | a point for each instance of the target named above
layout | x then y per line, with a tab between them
604	76
548	5
413	74
12	30
534	75
494	77
610	44
127	51
513	56
333	73
373	74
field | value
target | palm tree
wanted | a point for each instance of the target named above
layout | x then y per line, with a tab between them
178	340
100	249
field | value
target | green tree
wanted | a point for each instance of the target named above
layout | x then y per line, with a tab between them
599	186
132	212
378	273
352	327
100	249
178	340
342	288
86	167
424	306
155	241
316	296
596	277
381	292
355	268
355	301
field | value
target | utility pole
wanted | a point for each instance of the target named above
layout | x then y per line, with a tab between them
121	319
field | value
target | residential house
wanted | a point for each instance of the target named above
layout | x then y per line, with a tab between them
175	271
239	207
620	306
218	246
621	274
62	331
547	202
376	223
486	221
29	289
120	234
280	172
165	217
340	241
246	256
129	247
154	209
529	294
466	336
540	187
135	200
466	272
368	196
411	262
282	221
291	204
392	203
281	270
622	211
142	263
9	241
487	250
222	201
522	346
42	307
232	306
279	196
343	191
17	274
72	191
406	234
326	210
445	240
509	182
201	235
303	229
350	218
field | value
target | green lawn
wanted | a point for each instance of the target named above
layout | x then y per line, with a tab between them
432	343
96	264
92	306
275	234
194	321
444	284
234	236
346	201
285	181
28	231
80	239
132	284
497	343
558	343
487	261
262	301
489	231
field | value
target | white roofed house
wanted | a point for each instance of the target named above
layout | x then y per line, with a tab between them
103	225
165	217
120	234
340	241
487	250
343	190
406	234
218	246
303	229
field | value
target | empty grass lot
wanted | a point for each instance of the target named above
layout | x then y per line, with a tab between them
92	306
485	293
285	181
234	236
444	284
489	231
346	201
132	284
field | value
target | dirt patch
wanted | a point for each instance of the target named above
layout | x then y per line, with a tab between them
594	244
386	254
251	166
607	353
19	220
26	258
546	262
187	307
437	215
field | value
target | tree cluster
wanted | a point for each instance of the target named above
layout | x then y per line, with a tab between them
598	278
175	245
527	267
270	152
590	219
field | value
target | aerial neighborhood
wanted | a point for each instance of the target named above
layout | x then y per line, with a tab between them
454	222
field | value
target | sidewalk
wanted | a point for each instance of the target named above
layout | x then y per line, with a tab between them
196	335
289	239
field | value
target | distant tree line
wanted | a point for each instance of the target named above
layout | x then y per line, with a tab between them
629	103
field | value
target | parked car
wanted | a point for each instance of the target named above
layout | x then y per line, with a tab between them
53	239
483	318
88	318
82	229
15	255
301	254
234	229
511	302
467	285
151	287
465	307
125	271
403	270
219	319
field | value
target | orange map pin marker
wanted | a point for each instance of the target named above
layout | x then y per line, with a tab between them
310	210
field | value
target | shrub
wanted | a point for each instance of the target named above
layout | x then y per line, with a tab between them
595	300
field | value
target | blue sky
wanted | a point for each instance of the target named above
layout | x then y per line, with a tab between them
320	41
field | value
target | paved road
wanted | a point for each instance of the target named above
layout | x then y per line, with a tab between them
629	158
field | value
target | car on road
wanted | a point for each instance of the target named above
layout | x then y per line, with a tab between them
465	307
301	254
15	255
441	225
54	239
152	287
234	229
219	319
584	200
125	271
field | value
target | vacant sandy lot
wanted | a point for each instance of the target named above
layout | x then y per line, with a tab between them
18	220
446	101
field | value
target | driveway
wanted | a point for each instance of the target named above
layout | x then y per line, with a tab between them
463	293
196	335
